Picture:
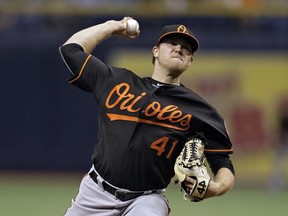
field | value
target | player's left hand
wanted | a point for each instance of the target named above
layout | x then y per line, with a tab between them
191	170
189	182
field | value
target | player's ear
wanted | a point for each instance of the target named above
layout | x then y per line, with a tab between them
192	58
155	51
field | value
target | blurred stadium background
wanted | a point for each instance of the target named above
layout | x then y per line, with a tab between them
48	128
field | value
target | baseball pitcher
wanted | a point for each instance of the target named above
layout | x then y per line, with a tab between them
150	128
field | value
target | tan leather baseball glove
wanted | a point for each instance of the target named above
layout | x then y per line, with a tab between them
190	163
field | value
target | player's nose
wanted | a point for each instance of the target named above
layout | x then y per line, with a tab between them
178	48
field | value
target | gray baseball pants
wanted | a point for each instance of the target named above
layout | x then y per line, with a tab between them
93	200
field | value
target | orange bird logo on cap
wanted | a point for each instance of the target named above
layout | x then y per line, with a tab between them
182	29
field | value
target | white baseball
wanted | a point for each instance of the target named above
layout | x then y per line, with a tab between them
132	26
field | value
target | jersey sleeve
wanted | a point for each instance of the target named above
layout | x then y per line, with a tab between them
216	134
88	72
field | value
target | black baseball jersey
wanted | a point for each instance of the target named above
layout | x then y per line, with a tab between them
143	124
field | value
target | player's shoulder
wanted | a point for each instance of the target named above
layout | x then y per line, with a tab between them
123	71
126	75
195	96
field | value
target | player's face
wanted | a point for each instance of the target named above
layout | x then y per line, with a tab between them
174	53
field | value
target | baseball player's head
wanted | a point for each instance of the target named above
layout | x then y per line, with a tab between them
178	31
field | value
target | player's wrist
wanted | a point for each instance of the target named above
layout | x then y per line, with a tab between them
115	27
214	189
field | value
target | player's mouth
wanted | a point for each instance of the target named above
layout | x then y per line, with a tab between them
177	57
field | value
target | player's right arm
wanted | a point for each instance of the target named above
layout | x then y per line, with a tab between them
90	37
88	71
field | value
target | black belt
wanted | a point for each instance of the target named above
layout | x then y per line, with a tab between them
121	195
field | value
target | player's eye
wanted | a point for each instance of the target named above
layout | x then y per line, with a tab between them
183	45
187	49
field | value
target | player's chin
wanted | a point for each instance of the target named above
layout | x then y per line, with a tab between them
178	68
179	64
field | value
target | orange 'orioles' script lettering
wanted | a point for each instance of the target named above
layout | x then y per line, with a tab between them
121	97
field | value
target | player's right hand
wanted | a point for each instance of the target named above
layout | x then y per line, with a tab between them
120	29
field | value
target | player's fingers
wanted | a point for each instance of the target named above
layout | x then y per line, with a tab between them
188	185
135	35
124	21
122	32
189	182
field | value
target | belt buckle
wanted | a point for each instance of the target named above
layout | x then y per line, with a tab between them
121	195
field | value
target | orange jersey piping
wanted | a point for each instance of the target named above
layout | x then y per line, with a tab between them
81	71
218	150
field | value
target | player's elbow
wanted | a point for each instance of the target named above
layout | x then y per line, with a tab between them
225	181
221	184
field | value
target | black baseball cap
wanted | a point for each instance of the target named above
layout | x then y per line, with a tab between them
180	30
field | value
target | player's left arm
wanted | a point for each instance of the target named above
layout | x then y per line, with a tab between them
224	176
222	182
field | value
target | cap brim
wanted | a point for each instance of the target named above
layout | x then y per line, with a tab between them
192	40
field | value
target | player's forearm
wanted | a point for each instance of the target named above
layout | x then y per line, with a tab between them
90	37
222	183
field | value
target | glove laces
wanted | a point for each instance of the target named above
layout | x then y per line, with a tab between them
193	152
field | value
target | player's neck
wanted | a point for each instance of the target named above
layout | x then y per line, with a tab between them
162	78
162	74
